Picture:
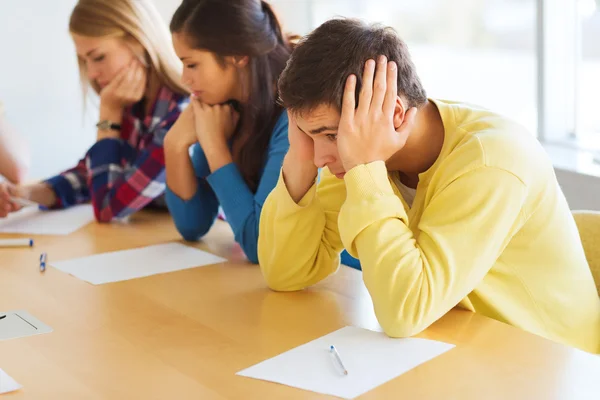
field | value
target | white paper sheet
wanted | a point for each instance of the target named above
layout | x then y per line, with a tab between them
137	263
371	359
32	221
19	323
7	384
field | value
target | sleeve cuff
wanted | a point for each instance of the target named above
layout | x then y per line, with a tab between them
178	202
65	195
368	181
286	203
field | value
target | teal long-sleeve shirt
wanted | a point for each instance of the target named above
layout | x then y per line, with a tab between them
227	188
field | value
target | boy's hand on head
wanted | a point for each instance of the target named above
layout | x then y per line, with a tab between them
367	133
301	146
299	169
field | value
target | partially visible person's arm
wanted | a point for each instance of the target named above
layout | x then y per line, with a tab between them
64	190
40	193
14	154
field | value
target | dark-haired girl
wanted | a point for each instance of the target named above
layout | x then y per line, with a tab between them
227	148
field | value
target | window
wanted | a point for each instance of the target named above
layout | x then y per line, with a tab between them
536	61
478	51
588	75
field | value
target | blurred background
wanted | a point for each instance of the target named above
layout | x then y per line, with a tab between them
536	61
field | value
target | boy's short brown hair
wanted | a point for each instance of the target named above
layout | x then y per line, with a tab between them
317	71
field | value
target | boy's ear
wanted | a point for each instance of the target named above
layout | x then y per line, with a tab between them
399	113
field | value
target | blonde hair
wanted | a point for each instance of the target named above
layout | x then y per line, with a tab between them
131	20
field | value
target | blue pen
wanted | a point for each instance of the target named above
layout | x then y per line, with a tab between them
43	262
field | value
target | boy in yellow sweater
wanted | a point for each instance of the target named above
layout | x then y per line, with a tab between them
444	204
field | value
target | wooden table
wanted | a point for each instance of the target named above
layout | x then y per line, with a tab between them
185	334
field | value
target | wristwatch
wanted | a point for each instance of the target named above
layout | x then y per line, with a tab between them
107	125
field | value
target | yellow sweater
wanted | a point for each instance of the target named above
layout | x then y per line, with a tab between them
489	231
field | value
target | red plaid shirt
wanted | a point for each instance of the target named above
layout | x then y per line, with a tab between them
122	176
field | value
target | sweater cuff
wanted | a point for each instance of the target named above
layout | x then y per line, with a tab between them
368	181
286	204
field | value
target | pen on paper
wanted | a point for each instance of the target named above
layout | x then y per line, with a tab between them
338	360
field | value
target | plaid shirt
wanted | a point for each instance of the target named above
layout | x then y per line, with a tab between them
122	176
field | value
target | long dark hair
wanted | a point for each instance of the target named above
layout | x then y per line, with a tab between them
243	28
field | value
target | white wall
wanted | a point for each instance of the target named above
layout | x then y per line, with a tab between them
39	79
39	82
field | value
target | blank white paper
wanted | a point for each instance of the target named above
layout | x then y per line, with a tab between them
371	359
33	221
137	263
19	323
7	384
